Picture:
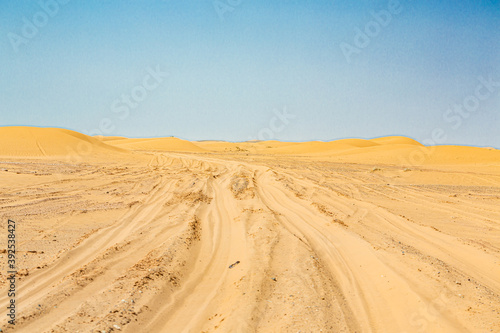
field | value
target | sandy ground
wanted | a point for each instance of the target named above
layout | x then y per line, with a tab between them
233	238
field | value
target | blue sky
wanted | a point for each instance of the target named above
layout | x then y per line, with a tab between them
228	67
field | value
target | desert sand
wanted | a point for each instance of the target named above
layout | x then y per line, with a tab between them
168	235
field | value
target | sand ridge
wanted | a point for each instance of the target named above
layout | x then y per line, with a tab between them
395	150
22	141
157	144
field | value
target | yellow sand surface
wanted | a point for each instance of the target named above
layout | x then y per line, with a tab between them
157	144
167	235
19	141
109	138
396	140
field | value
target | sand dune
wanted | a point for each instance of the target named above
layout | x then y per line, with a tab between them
157	144
19	141
463	155
399	140
254	147
393	150
405	154
243	240
314	147
286	148
109	138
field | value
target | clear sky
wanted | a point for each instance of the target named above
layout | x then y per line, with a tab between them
223	69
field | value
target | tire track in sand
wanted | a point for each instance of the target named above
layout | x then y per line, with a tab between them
378	306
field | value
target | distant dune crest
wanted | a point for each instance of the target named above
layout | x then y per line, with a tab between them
19	141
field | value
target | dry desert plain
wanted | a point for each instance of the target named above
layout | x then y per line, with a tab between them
165	235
